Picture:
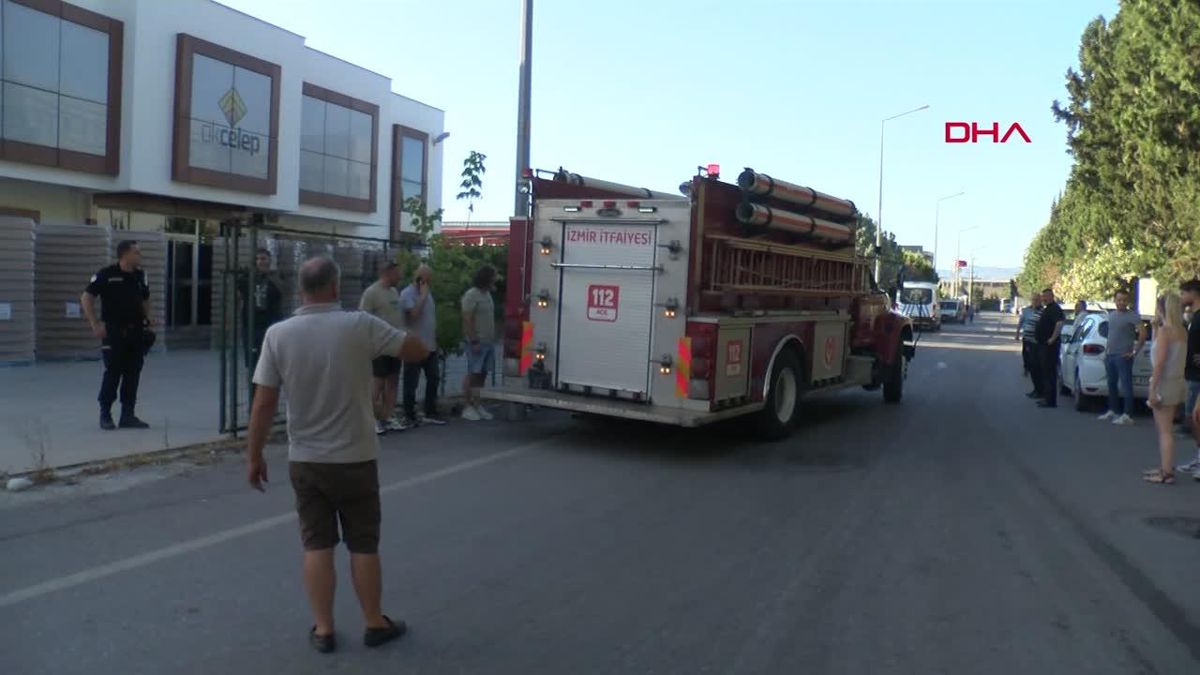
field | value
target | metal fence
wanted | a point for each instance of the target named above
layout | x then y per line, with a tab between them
234	274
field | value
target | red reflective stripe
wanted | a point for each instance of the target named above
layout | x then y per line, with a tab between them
526	347
683	372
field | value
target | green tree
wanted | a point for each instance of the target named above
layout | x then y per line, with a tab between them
1132	117
891	253
471	187
918	268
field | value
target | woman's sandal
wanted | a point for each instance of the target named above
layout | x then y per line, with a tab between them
1159	476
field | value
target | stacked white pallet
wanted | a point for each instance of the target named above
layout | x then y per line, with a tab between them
16	290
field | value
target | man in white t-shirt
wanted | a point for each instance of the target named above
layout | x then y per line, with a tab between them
322	356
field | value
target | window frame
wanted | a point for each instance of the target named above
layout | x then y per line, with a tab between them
315	198
186	47
72	160
399	133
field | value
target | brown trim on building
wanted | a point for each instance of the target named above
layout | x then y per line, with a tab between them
399	132
186	46
110	162
35	216
337	201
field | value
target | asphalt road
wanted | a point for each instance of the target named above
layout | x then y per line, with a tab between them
962	531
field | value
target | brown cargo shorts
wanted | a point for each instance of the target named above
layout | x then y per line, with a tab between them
329	493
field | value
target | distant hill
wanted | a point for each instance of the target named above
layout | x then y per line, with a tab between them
989	273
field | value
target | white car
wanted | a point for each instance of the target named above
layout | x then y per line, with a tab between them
1081	370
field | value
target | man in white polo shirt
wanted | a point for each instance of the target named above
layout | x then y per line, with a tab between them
322	356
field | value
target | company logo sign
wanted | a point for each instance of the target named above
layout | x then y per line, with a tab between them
234	108
963	132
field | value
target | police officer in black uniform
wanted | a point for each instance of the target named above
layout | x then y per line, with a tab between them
122	329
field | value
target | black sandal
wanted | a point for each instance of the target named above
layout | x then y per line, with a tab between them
1160	477
376	637
326	644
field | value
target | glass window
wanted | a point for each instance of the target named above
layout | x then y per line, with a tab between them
337	175
337	131
412	157
336	149
211	80
409	189
82	125
84	63
55	89
359	180
312	125
30	115
252	154
31	46
360	137
312	171
255	91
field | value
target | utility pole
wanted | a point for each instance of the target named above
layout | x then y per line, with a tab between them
521	207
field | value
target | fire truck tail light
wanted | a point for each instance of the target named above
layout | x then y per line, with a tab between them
586	204
610	205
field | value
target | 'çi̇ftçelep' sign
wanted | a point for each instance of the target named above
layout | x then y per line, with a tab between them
230	118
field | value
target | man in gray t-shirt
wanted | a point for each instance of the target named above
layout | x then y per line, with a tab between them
322	357
479	329
1125	340
420	316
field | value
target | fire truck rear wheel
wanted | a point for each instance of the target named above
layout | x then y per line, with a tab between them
776	420
893	379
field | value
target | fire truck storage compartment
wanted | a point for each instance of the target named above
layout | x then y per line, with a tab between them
606	312
829	344
733	364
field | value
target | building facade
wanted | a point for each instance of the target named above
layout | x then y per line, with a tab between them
167	118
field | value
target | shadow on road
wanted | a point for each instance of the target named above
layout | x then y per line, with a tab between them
813	447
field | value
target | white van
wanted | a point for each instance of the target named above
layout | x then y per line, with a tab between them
919	302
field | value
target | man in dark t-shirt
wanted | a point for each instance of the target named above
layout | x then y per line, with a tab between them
1189	293
1048	330
124	316
266	304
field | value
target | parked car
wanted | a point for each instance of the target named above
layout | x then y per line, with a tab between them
1081	363
953	311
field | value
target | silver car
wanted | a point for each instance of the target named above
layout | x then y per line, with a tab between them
1081	363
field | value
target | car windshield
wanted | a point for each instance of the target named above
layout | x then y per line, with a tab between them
950	305
917	296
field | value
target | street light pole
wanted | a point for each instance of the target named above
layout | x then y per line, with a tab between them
879	210
521	207
936	214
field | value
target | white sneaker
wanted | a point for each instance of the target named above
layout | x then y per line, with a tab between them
483	413
380	428
397	424
1123	421
470	414
1108	416
1192	467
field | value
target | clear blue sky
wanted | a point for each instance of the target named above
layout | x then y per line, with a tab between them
643	91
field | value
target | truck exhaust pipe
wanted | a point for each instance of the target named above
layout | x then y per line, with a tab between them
762	185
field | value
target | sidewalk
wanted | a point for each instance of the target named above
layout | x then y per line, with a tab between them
49	414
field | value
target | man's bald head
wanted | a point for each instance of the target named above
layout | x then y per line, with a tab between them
319	279
424	273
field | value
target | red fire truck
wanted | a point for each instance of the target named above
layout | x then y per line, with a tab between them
730	300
